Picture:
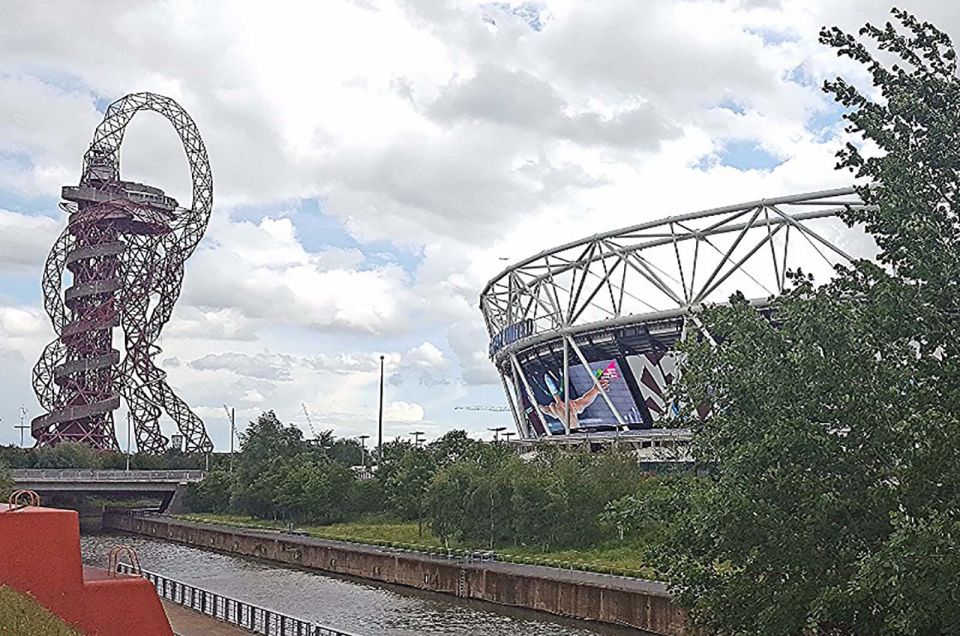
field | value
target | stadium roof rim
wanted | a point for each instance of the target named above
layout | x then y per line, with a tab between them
807	196
608	324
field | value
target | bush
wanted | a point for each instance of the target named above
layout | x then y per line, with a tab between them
6	482
366	497
212	494
68	455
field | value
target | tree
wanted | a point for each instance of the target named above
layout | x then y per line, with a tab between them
833	500
67	455
453	446
407	482
6	482
212	494
345	452
444	504
268	446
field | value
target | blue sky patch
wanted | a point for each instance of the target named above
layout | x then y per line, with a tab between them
731	105
745	154
823	121
774	37
529	12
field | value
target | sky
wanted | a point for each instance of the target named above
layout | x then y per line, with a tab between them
377	162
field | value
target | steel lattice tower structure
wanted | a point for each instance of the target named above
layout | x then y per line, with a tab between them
125	245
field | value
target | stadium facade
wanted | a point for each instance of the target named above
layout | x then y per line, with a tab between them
584	335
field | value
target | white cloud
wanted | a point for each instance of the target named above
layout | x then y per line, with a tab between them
426	356
25	241
264	272
399	411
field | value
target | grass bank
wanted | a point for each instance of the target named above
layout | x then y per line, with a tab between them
20	614
624	558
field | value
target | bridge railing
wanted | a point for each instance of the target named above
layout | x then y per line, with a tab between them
109	476
256	619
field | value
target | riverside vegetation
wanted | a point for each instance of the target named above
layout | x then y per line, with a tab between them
454	493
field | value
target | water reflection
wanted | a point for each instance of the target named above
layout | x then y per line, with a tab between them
352	605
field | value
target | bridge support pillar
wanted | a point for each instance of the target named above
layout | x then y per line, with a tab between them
175	502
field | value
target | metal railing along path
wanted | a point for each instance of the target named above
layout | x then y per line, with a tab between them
110	476
256	619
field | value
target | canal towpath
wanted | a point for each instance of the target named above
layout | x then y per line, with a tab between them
187	622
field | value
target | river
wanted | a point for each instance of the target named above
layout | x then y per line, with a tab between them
353	605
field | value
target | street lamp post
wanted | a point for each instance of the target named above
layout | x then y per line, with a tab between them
380	417
363	450
129	426
233	432
22	426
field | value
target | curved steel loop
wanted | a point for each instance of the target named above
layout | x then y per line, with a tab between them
113	560
14	502
104	154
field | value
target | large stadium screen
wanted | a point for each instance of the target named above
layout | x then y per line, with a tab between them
637	385
588	409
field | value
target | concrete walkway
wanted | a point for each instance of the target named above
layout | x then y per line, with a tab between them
186	622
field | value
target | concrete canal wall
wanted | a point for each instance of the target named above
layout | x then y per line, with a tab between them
593	597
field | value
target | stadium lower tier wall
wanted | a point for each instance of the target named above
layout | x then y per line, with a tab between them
650	611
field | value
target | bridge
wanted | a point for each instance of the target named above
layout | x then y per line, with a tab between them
167	485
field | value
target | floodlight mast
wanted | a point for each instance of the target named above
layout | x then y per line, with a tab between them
125	245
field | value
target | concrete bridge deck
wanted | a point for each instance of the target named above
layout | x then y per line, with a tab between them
64	479
167	485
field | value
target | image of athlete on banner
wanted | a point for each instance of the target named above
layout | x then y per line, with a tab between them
581	407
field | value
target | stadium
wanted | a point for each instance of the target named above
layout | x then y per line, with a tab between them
584	335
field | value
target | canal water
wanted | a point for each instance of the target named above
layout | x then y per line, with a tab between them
353	605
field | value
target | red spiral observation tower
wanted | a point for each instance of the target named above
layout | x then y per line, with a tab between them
124	246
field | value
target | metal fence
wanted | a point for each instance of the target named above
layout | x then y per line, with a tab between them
87	475
251	617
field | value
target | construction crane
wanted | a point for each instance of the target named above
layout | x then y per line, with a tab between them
313	433
495	409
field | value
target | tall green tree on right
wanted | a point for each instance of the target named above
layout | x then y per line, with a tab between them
831	503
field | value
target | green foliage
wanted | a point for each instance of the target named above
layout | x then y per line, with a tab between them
832	504
346	452
212	494
46	457
279	475
405	479
21	614
452	447
6	482
491	497
269	449
68	455
366	497
171	459
16	457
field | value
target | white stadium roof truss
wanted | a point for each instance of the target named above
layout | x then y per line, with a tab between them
662	269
